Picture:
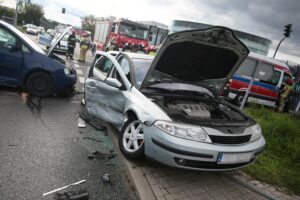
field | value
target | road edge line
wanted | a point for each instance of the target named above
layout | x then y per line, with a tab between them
135	173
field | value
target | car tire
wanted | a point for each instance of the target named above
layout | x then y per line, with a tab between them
40	84
239	99
131	140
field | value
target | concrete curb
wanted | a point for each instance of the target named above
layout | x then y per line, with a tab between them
135	173
251	187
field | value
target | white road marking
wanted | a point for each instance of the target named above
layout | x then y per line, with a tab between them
76	65
81	79
79	71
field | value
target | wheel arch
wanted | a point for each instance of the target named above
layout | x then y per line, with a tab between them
142	116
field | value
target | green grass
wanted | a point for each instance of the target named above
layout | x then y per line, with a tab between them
21	29
279	164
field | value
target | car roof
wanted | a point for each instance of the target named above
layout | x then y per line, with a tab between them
138	56
267	59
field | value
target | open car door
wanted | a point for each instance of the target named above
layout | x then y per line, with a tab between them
104	93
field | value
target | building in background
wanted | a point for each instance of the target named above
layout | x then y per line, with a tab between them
157	31
254	43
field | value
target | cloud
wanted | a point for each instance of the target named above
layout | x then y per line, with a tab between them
264	18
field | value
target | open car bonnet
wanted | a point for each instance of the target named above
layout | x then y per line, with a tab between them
58	40
195	56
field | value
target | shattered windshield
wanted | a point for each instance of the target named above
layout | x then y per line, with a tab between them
133	31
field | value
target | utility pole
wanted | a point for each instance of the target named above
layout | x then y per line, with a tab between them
287	33
16	12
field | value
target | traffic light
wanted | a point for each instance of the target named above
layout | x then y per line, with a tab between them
287	30
63	10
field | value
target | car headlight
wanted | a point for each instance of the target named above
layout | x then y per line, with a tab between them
67	71
256	132
182	131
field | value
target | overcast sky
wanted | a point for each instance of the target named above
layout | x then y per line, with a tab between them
265	18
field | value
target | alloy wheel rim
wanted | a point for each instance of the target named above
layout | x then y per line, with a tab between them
133	137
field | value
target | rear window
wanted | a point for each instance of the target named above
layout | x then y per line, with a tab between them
265	73
246	68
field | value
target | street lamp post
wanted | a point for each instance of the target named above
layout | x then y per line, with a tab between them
16	12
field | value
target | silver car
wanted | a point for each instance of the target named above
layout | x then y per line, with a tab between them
167	107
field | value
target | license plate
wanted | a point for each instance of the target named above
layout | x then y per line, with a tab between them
231	158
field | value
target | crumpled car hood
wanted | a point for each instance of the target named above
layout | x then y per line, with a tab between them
197	55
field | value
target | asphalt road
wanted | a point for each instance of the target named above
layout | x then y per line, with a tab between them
42	148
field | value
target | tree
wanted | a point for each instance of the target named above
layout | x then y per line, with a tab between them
31	13
7	12
88	23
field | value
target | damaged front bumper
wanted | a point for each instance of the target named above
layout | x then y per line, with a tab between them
65	84
188	154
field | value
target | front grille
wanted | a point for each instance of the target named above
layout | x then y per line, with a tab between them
230	139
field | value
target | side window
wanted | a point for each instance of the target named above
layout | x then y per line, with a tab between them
25	49
286	77
125	66
101	68
113	27
7	40
265	73
276	77
246	67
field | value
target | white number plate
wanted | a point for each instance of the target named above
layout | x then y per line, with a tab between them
231	158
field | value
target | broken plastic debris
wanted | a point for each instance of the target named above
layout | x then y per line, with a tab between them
76	195
62	188
83	102
106	178
90	138
91	121
100	155
81	123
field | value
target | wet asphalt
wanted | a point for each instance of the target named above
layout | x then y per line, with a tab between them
42	148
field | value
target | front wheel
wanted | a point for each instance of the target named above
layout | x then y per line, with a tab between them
131	140
40	84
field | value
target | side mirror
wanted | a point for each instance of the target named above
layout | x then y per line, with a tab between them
113	82
150	38
13	48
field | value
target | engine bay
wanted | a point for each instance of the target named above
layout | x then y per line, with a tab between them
199	111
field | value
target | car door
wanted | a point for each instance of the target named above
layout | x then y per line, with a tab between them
11	58
105	95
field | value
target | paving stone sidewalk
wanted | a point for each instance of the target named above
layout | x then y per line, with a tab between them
154	181
171	184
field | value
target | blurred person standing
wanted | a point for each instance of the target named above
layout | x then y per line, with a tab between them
84	46
284	94
71	45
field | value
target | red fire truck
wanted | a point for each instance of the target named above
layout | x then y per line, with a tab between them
120	35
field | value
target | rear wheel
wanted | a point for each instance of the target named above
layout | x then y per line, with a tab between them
40	84
239	99
131	140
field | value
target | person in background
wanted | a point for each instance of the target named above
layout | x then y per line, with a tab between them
284	94
84	46
93	48
71	45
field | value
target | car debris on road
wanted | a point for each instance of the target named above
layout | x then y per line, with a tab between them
106	178
74	195
101	155
64	187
